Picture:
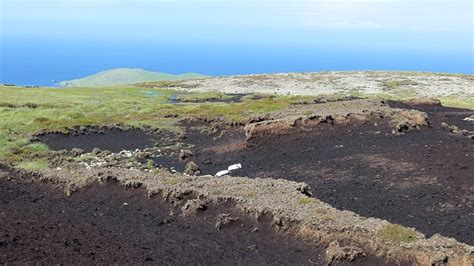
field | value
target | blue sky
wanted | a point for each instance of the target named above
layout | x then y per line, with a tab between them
372	30
208	19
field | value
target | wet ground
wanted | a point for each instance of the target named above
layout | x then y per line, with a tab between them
422	179
324	100
229	98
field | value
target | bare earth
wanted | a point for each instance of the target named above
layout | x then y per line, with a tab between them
322	181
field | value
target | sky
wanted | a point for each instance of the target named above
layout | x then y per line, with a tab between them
61	39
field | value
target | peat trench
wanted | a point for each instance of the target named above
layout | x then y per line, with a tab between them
110	224
422	179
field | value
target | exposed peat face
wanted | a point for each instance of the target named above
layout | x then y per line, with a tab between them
422	178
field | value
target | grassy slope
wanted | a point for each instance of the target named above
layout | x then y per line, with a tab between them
25	111
121	76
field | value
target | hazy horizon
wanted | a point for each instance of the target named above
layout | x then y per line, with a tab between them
52	40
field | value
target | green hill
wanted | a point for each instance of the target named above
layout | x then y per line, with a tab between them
120	76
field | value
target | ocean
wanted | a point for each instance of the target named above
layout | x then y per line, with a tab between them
43	62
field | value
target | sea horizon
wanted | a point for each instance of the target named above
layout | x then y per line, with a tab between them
43	42
23	65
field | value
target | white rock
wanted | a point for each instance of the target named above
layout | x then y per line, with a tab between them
234	167
221	173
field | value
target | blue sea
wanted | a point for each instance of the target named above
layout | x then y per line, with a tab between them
44	62
45	41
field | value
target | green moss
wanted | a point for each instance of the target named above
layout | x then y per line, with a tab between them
86	157
33	165
232	112
397	234
36	147
328	218
150	164
458	101
407	94
306	200
390	85
191	168
173	181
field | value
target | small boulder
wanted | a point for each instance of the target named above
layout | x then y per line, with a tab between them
77	152
96	151
224	219
141	155
184	154
61	152
253	247
192	206
405	120
336	253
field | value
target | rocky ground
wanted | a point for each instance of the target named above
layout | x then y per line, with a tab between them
366	82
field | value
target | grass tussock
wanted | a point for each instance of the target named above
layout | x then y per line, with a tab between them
173	180
397	234
33	165
459	102
306	201
86	157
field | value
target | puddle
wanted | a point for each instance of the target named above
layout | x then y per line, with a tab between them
151	93
230	98
173	98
